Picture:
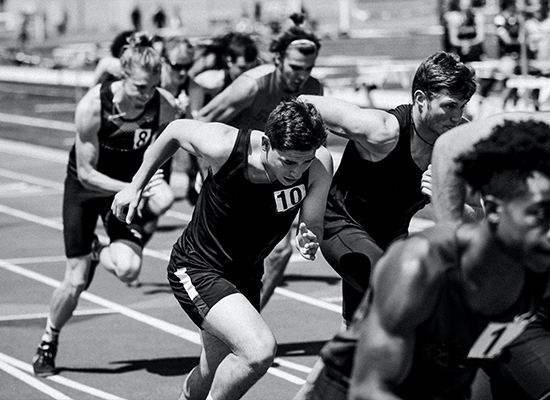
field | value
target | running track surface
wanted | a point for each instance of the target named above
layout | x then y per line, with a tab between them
122	343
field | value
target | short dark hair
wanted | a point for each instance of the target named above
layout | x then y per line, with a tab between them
444	70
295	125
240	44
118	43
500	164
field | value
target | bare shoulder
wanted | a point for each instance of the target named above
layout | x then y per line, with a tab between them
89	107
405	287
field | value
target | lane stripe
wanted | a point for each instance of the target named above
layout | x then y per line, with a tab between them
37	122
33	382
167	327
20	365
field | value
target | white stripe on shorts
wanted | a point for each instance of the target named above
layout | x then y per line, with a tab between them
181	273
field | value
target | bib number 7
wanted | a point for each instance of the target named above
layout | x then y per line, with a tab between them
497	335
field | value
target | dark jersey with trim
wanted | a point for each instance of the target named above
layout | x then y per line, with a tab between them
236	223
381	196
269	95
122	142
442	368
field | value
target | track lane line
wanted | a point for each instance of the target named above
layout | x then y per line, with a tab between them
22	366
33	382
175	330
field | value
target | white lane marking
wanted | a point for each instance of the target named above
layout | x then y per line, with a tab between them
22	317
37	122
59	379
31	179
33	382
167	327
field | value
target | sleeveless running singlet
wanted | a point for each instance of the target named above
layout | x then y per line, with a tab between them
269	95
122	142
236	223
441	365
385	195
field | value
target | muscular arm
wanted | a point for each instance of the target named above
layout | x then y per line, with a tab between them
88	123
213	142
230	102
376	132
312	211
404	295
449	191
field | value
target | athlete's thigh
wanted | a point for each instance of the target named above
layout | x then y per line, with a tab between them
352	253
80	213
238	324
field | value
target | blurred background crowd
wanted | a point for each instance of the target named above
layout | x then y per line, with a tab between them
367	45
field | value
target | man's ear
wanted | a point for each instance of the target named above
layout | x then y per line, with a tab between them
493	209
419	97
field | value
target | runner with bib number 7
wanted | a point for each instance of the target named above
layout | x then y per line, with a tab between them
448	300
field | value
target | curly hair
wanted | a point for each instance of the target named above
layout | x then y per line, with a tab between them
444	70
501	163
140	53
295	125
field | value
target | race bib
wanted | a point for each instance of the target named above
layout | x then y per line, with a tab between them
498	335
141	137
287	198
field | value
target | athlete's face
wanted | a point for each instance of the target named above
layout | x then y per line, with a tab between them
288	165
295	68
176	66
524	223
139	86
441	112
239	66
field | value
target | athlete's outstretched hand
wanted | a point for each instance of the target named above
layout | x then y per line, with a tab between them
426	185
125	203
306	242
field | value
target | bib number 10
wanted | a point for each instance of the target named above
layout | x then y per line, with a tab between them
288	198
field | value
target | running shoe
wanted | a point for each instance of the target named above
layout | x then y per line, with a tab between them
43	362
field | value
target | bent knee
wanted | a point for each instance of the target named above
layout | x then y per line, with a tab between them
127	272
260	357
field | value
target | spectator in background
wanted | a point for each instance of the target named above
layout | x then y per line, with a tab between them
466	32
159	18
507	29
135	16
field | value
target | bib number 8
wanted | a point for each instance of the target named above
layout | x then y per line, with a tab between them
141	137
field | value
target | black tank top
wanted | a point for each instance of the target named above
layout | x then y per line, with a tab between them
440	364
382	196
122	142
236	223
